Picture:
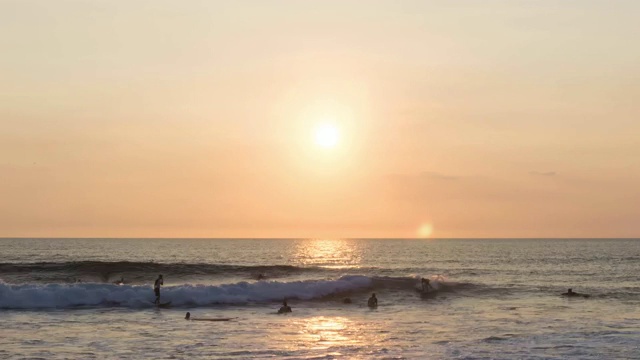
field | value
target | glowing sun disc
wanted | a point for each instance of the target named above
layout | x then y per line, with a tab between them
425	230
326	135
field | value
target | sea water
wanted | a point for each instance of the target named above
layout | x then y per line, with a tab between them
492	299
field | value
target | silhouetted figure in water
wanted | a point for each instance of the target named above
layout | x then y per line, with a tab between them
571	293
261	277
188	317
119	282
346	301
373	301
284	308
426	285
156	288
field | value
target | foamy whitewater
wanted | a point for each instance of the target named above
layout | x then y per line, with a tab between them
491	299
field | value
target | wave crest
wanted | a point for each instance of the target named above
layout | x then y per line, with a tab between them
138	272
31	296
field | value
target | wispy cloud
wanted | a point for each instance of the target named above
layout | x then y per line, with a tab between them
437	175
543	173
425	175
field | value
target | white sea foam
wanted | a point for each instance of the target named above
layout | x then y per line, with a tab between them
72	295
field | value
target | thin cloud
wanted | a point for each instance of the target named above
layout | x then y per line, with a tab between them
425	175
543	173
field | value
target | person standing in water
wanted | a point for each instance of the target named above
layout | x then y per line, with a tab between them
426	285
156	288
373	301
284	308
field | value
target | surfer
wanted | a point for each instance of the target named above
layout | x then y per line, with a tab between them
571	293
346	301
188	317
426	285
119	282
284	308
373	301
156	288
261	277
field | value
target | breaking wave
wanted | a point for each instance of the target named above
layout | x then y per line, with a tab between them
46	296
31	296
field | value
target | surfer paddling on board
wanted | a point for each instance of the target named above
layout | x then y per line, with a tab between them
426	285
571	293
188	317
373	301
156	288
284	308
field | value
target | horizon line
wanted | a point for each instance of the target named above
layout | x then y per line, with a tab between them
315	238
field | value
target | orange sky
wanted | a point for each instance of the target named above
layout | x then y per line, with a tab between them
196	119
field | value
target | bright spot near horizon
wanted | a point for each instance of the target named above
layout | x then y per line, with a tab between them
326	135
425	230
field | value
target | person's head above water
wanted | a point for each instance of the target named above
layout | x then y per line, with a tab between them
373	295
160	276
284	303
570	291
188	316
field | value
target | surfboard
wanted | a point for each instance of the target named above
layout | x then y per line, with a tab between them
218	319
162	305
576	295
428	294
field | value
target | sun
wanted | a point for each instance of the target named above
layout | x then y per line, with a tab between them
327	135
425	230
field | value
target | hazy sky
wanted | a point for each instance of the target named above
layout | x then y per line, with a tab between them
196	118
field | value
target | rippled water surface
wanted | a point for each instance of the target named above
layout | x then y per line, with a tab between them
493	299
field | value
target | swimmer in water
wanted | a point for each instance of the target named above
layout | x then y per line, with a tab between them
571	293
284	308
373	301
346	301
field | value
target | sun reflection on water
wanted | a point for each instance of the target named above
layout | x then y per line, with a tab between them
330	253
324	332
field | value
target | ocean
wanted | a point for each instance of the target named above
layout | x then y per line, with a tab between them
492	299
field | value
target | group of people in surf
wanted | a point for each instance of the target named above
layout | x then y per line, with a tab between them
372	302
285	308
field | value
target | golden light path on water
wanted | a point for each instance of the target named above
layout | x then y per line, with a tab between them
332	332
330	253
